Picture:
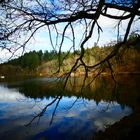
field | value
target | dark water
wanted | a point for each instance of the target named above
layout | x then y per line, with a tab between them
38	109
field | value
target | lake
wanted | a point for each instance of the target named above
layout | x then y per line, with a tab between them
38	109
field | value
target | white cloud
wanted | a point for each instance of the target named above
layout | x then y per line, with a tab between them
42	41
4	55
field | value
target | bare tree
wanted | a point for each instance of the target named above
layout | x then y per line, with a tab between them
20	20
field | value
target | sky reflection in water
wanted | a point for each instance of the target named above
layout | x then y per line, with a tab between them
72	120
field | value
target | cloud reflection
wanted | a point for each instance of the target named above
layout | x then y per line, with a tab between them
72	120
8	95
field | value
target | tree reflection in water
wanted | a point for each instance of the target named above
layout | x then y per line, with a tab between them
92	105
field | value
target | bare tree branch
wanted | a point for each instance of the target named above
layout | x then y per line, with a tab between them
23	19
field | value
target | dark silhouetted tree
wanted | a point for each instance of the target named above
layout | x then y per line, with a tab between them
21	20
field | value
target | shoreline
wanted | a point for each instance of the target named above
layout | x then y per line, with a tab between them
59	75
127	128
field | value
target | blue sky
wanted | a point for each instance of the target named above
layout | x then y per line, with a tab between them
109	34
41	39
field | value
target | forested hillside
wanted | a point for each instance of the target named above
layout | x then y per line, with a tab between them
48	63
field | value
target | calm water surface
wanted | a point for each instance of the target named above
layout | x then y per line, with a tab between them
32	110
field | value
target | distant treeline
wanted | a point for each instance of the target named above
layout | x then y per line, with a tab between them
32	60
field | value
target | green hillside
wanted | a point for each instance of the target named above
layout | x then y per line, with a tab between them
48	63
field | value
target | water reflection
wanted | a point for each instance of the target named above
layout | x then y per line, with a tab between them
25	113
